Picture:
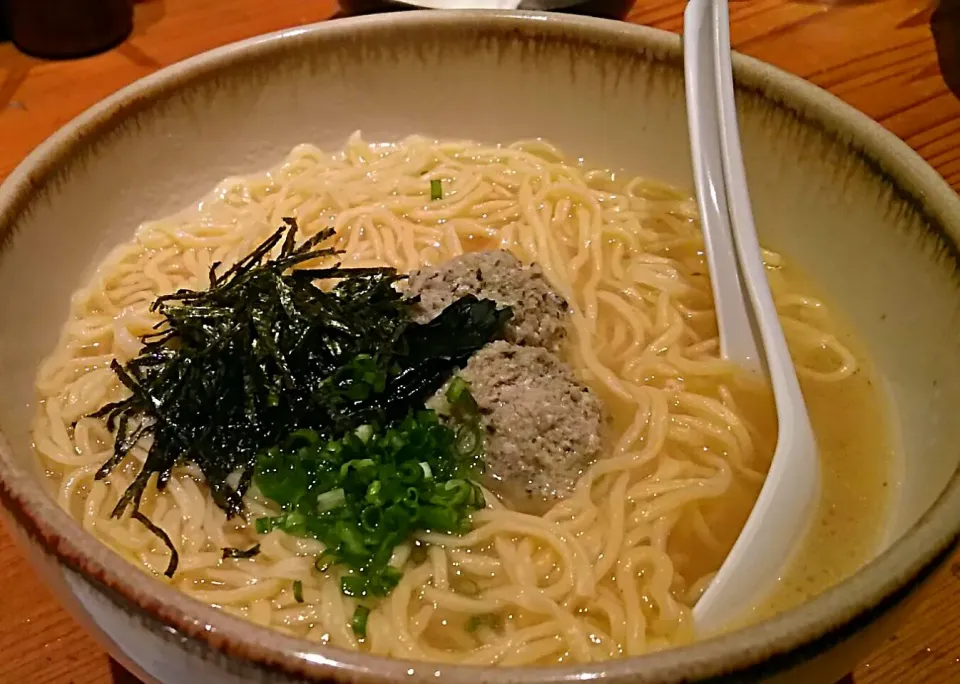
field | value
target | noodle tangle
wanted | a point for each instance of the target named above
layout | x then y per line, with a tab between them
614	569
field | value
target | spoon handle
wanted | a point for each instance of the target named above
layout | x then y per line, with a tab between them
783	376
739	341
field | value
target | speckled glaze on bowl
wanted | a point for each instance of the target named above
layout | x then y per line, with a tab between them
863	216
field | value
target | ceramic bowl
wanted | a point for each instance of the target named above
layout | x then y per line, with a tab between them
860	213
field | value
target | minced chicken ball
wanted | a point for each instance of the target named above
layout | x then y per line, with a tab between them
541	427
539	313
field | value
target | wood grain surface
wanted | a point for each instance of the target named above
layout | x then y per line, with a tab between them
896	60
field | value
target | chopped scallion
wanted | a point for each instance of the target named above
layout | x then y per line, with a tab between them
359	622
469	441
364	499
364	432
436	190
298	591
331	500
373	493
463	407
456	388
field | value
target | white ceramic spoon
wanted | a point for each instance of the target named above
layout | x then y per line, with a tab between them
750	332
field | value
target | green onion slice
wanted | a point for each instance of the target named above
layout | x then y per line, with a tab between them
359	622
298	591
332	500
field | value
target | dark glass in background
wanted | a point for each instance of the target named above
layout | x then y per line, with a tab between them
68	28
4	22
76	28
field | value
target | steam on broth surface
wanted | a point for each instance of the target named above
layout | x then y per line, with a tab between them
615	566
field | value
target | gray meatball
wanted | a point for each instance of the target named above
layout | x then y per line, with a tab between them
541	427
539	313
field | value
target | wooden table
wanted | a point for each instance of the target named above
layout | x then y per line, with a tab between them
896	60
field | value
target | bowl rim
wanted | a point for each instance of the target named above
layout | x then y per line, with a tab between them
769	646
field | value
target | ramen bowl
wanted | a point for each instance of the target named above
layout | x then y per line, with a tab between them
867	220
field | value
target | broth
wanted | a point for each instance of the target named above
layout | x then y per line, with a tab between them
859	460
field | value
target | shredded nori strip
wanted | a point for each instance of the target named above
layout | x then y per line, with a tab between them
158	531
265	352
230	552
